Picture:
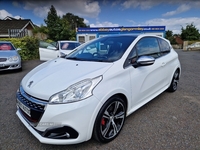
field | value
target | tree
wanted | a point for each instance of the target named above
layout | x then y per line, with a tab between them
62	28
66	33
170	37
53	23
190	33
75	21
169	34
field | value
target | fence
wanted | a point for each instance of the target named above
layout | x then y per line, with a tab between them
17	33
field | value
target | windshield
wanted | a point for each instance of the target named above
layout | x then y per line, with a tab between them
105	49
69	45
6	46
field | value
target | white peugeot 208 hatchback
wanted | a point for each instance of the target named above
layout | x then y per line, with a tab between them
91	91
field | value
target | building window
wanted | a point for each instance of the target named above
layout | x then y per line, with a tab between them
91	37
81	39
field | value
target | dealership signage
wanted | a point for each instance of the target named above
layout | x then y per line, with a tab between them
122	29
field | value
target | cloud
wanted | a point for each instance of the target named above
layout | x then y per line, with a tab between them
115	3
86	21
4	14
131	21
104	24
179	10
42	11
143	4
172	24
82	8
39	8
175	24
17	17
16	4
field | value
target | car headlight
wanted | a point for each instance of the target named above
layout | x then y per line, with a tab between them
76	92
13	58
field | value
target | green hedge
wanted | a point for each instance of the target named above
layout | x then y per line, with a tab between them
29	47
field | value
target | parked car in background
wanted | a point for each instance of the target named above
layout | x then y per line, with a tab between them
67	47
9	57
194	46
47	51
91	91
53	50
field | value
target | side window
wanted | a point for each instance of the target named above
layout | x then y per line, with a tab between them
148	46
45	45
133	53
132	57
164	46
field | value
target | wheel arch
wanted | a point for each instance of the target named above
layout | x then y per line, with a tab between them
117	95
179	71
173	86
122	96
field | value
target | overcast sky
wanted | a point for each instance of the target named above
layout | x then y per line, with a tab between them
173	14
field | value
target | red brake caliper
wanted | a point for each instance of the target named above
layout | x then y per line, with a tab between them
103	121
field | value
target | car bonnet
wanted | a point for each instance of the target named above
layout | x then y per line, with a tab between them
58	74
8	53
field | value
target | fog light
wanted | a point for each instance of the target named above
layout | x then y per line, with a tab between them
60	133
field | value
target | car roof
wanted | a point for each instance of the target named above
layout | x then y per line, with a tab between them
139	36
121	35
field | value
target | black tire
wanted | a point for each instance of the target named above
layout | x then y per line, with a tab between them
174	82
110	120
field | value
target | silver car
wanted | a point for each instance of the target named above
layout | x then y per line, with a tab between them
9	57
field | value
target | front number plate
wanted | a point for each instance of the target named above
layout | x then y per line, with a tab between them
24	108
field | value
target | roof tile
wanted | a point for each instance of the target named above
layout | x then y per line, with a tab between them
12	24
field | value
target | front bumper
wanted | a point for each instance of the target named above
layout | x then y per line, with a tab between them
10	66
62	124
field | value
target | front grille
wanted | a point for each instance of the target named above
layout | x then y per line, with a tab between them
37	107
3	59
5	67
31	104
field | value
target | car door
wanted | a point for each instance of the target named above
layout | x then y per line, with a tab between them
169	58
47	51
146	81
